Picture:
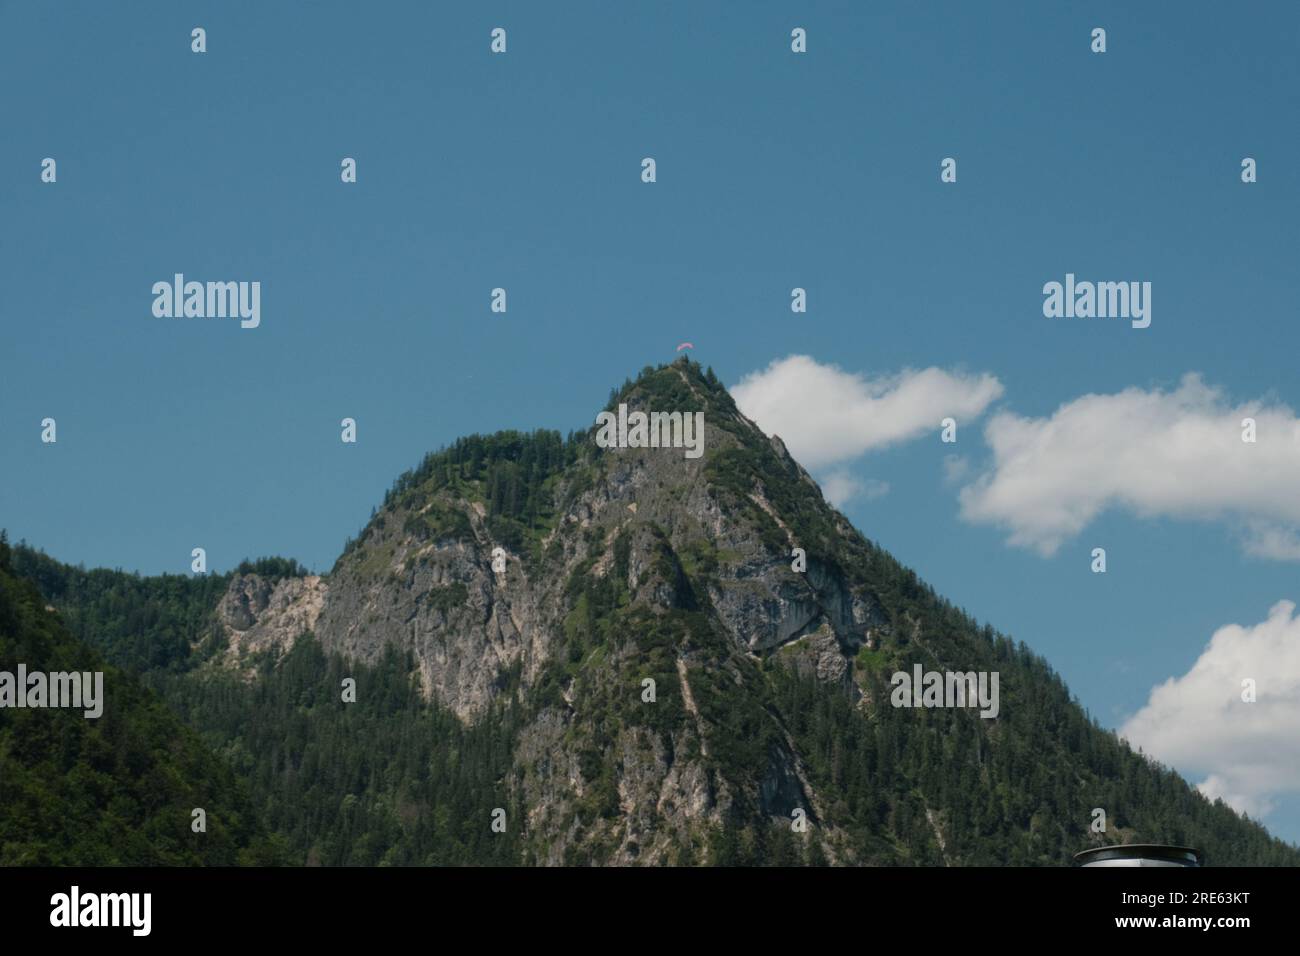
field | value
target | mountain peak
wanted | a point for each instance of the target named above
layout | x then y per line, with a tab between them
675	656
680	385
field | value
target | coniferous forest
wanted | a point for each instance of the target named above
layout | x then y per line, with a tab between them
291	775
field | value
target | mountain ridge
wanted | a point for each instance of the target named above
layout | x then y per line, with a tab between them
770	695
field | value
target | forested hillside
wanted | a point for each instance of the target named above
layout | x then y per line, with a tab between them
772	685
115	790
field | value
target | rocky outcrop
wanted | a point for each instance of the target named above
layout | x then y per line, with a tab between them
671	539
465	624
259	615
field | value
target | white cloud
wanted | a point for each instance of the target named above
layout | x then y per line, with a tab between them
828	416
1199	723
1278	544
1157	453
955	469
1215	787
839	487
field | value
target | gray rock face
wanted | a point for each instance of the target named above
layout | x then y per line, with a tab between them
441	600
467	625
260	615
657	519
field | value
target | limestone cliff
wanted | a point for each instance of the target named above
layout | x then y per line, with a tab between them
695	547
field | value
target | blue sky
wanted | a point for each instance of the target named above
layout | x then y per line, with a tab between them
775	170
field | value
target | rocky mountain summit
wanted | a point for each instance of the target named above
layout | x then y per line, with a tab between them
420	576
639	564
690	657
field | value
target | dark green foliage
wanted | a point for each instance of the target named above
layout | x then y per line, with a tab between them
490	460
513	474
734	474
137	623
386	780
732	471
391	779
665	388
653	643
438	522
1021	796
601	797
273	568
116	790
447	598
